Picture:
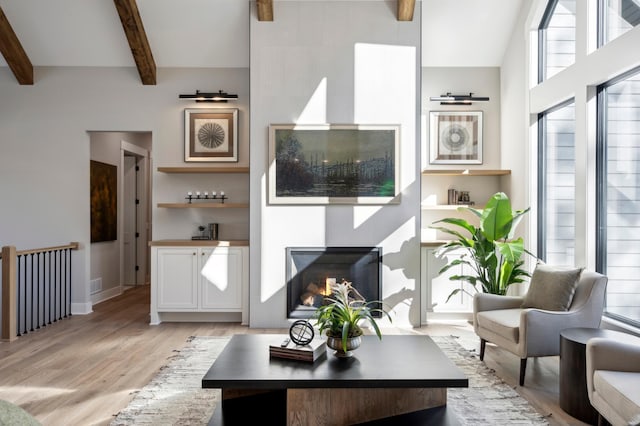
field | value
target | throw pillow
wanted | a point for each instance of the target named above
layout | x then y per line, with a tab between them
552	288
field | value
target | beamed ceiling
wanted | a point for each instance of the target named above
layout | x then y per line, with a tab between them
214	33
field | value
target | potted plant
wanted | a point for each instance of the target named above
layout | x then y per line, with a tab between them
490	250
340	317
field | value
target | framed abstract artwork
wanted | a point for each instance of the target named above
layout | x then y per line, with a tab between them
334	164
211	135
455	137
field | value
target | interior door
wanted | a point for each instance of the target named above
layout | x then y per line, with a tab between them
129	222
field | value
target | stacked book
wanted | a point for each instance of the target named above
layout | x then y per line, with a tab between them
310	352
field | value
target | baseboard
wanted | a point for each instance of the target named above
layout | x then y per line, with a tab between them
439	317
81	308
106	295
197	317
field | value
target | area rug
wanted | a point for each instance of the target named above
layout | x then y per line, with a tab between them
175	396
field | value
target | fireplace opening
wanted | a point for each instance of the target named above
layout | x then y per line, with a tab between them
310	271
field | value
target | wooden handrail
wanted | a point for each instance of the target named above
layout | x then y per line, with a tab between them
72	246
9	256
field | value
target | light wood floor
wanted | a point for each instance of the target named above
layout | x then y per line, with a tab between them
83	370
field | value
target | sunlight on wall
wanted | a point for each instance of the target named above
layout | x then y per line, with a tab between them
384	83
316	109
362	213
385	93
216	270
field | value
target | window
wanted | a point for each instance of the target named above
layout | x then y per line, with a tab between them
556	195
618	175
556	38
616	17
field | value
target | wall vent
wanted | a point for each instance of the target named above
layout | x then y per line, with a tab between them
96	285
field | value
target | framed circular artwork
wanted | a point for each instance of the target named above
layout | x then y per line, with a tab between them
455	137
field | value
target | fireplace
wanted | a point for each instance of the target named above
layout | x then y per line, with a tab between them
311	270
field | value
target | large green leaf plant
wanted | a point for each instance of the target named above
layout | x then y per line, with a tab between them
491	254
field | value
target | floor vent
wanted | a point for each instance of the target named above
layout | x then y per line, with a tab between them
96	285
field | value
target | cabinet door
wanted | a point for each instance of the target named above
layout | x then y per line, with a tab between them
177	279
442	286
220	273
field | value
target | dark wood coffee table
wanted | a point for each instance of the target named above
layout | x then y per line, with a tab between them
389	378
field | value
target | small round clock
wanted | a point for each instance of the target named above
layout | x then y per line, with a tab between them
301	332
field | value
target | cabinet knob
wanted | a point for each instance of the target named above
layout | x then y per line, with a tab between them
194	253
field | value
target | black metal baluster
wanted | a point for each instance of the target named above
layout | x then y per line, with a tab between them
56	273
49	286
64	297
31	298
19	261
60	281
37	297
69	303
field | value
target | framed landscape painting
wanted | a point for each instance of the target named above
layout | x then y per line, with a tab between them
211	135
456	137
334	164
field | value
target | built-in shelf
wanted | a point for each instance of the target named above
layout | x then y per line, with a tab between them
196	243
466	172
204	205
203	169
432	243
446	206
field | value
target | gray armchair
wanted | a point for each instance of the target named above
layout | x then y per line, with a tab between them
613	379
530	332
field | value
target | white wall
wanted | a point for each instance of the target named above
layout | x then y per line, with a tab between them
44	166
335	62
482	81
105	256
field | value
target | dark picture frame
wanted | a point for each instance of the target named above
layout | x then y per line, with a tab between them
104	201
334	164
211	135
456	137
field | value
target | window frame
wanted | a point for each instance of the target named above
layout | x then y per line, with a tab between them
542	176
542	38
601	182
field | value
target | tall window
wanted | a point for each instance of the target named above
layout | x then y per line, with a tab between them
616	18
618	242
556	197
556	38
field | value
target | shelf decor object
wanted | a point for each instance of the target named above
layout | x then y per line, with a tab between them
206	196
334	164
455	137
211	135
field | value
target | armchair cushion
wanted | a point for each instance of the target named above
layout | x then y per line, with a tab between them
551	288
621	390
505	322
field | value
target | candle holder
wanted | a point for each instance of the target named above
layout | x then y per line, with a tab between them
192	198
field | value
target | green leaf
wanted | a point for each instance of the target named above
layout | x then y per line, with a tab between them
511	251
497	217
457	222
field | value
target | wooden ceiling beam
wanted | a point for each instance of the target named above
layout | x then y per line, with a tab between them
137	37
405	10
265	10
13	53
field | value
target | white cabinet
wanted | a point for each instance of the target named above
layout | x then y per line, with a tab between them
199	279
221	278
177	281
437	288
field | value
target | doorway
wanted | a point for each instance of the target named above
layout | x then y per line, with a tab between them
135	215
